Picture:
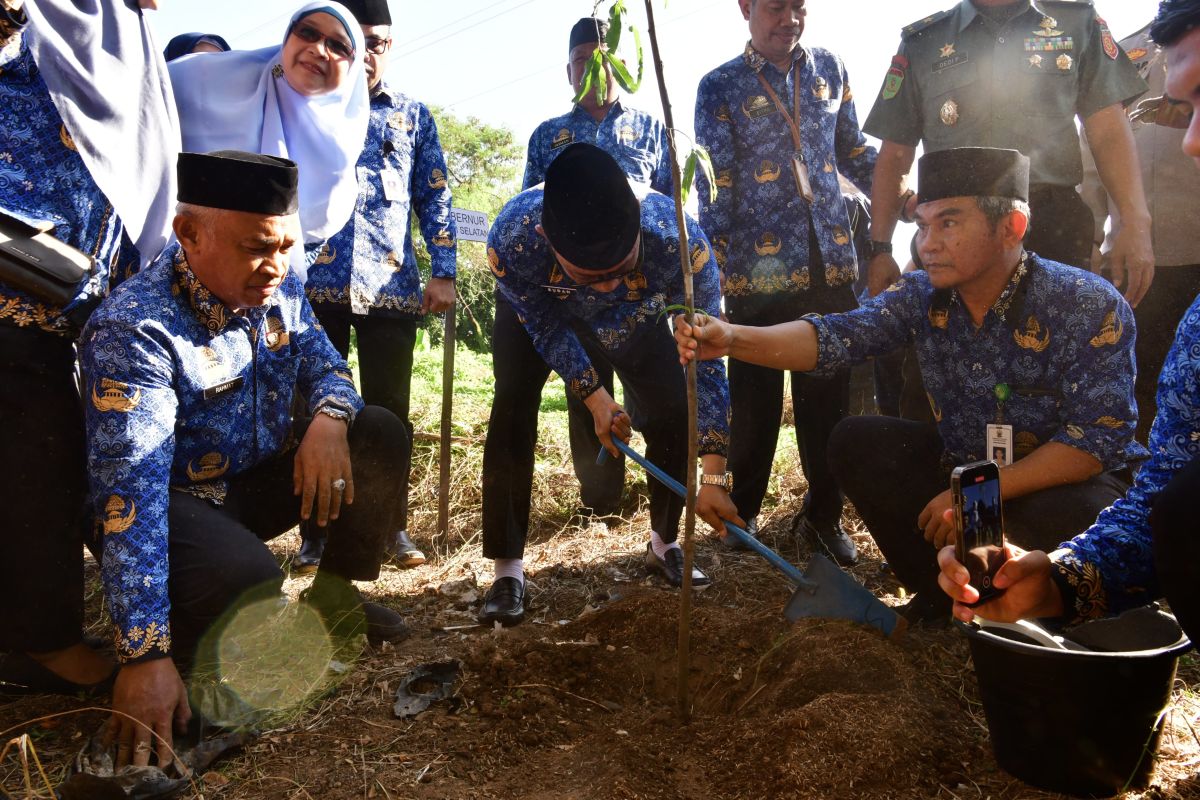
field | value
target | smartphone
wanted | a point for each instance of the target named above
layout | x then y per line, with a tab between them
979	523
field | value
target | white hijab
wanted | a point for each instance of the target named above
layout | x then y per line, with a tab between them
239	101
109	83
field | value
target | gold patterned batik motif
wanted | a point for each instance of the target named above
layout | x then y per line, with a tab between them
586	383
116	518
1111	331
1034	337
1091	599
613	338
209	467
741	285
211	312
23	314
209	492
712	442
115	396
137	641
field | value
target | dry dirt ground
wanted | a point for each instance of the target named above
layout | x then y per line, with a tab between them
579	702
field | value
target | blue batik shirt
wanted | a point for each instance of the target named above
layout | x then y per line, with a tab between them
43	179
183	393
370	265
1061	339
635	139
1110	567
550	306
759	224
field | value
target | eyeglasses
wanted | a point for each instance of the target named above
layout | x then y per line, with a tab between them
615	274
378	46
338	48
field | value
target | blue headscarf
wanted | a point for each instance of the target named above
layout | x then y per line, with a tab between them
240	101
110	86
185	43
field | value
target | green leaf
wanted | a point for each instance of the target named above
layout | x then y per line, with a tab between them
589	77
621	73
601	75
637	43
706	168
616	22
689	177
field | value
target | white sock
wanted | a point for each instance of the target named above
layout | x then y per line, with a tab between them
509	568
660	547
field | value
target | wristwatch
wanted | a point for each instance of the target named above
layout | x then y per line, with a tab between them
724	480
875	248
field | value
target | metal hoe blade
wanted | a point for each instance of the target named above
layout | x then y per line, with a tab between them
823	591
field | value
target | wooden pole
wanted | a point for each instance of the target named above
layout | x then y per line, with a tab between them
689	526
448	345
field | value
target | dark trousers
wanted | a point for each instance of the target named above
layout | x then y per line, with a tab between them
217	553
648	367
1158	315
385	363
756	404
1177	548
43	492
600	485
1061	227
891	468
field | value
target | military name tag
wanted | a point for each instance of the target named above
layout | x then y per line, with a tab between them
223	388
953	60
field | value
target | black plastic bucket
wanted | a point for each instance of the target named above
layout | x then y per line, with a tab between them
1080	723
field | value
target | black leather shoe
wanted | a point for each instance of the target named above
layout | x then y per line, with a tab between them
670	567
347	615
401	551
21	674
309	557
829	539
503	603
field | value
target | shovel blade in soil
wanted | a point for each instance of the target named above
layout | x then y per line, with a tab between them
841	597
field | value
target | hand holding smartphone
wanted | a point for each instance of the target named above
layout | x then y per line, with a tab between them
979	523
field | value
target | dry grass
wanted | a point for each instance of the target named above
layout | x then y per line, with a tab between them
342	741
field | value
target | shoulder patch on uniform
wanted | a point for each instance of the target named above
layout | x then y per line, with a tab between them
895	77
922	24
1106	38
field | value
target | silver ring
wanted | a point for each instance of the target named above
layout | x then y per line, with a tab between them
339	485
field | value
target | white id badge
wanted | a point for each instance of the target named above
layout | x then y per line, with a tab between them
392	190
1000	444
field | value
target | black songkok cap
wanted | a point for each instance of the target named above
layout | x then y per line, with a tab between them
1175	19
369	12
973	172
589	212
237	181
588	30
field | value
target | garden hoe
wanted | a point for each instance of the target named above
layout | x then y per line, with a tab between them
823	591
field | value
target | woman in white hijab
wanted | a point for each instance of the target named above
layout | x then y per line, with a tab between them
305	100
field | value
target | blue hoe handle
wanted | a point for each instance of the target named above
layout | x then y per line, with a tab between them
777	561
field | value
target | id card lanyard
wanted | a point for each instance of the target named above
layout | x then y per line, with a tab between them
799	167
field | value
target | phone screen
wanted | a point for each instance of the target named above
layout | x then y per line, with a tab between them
980	520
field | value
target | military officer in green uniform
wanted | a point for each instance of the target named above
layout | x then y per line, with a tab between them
1016	74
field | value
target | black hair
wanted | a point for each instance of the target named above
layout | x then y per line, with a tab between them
1175	19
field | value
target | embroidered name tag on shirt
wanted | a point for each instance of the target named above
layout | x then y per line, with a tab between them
223	388
943	64
561	292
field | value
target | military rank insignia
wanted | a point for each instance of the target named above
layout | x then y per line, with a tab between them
895	77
